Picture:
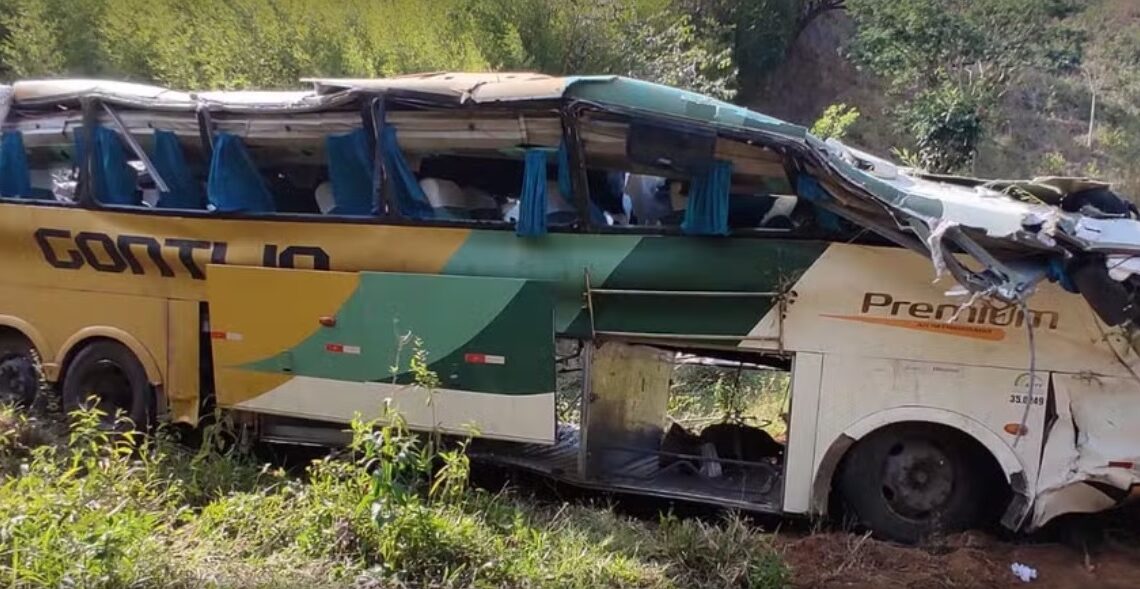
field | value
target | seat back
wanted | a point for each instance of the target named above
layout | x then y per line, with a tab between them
185	192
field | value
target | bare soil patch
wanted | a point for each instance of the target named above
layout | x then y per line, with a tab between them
832	560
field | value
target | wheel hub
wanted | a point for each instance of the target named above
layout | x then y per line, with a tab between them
108	389
918	479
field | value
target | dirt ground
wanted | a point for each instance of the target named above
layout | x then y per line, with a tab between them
1100	554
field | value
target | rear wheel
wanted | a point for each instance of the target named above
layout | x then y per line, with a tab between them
107	376
19	379
911	481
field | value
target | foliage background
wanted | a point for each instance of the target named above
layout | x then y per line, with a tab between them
991	87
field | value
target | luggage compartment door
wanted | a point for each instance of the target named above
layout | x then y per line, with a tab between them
331	345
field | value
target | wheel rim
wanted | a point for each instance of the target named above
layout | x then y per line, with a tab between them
17	379
107	388
918	479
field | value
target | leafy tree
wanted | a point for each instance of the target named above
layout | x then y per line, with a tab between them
835	121
30	47
948	62
759	33
671	52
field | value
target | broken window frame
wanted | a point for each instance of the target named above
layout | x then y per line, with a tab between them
568	135
746	136
94	109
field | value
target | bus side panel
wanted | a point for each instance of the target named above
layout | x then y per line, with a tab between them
882	302
67	318
862	394
334	345
800	462
182	361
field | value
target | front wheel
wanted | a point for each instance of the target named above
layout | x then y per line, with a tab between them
909	482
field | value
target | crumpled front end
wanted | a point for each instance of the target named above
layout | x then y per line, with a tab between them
1000	240
1015	234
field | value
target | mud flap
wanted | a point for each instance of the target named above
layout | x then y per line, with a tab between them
454	353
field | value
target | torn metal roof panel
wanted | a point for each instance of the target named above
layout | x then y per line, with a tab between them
5	101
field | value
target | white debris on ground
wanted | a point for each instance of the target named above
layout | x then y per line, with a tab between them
1024	572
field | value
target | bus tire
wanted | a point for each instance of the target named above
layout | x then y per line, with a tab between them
109	372
911	481
19	379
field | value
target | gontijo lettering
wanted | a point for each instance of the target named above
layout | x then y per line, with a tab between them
143	254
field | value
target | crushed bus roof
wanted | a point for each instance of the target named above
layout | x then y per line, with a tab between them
1017	232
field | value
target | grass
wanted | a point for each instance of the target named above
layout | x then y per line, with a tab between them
84	508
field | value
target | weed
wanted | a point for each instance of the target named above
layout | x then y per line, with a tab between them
116	509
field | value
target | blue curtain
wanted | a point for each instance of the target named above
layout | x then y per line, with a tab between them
409	197
170	163
113	181
809	189
707	210
1055	272
120	181
566	186
15	179
532	203
235	185
350	171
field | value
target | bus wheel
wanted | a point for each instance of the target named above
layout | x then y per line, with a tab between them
18	377
107	376
911	481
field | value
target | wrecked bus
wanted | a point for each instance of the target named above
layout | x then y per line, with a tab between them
959	350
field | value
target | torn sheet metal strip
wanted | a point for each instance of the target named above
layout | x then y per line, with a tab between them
6	94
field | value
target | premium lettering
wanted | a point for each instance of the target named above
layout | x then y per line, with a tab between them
883	303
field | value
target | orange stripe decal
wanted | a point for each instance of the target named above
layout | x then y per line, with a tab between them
992	334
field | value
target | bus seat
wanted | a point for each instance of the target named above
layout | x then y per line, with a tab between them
445	196
748	210
780	215
481	204
350	173
15	178
449	200
649	198
45	181
168	159
324	197
559	210
235	185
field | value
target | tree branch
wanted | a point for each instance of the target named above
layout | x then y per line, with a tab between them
811	10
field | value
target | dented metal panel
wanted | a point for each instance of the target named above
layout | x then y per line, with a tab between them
1093	450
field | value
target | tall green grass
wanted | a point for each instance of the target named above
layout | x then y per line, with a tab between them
90	508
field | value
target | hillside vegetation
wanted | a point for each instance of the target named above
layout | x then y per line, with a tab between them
992	87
